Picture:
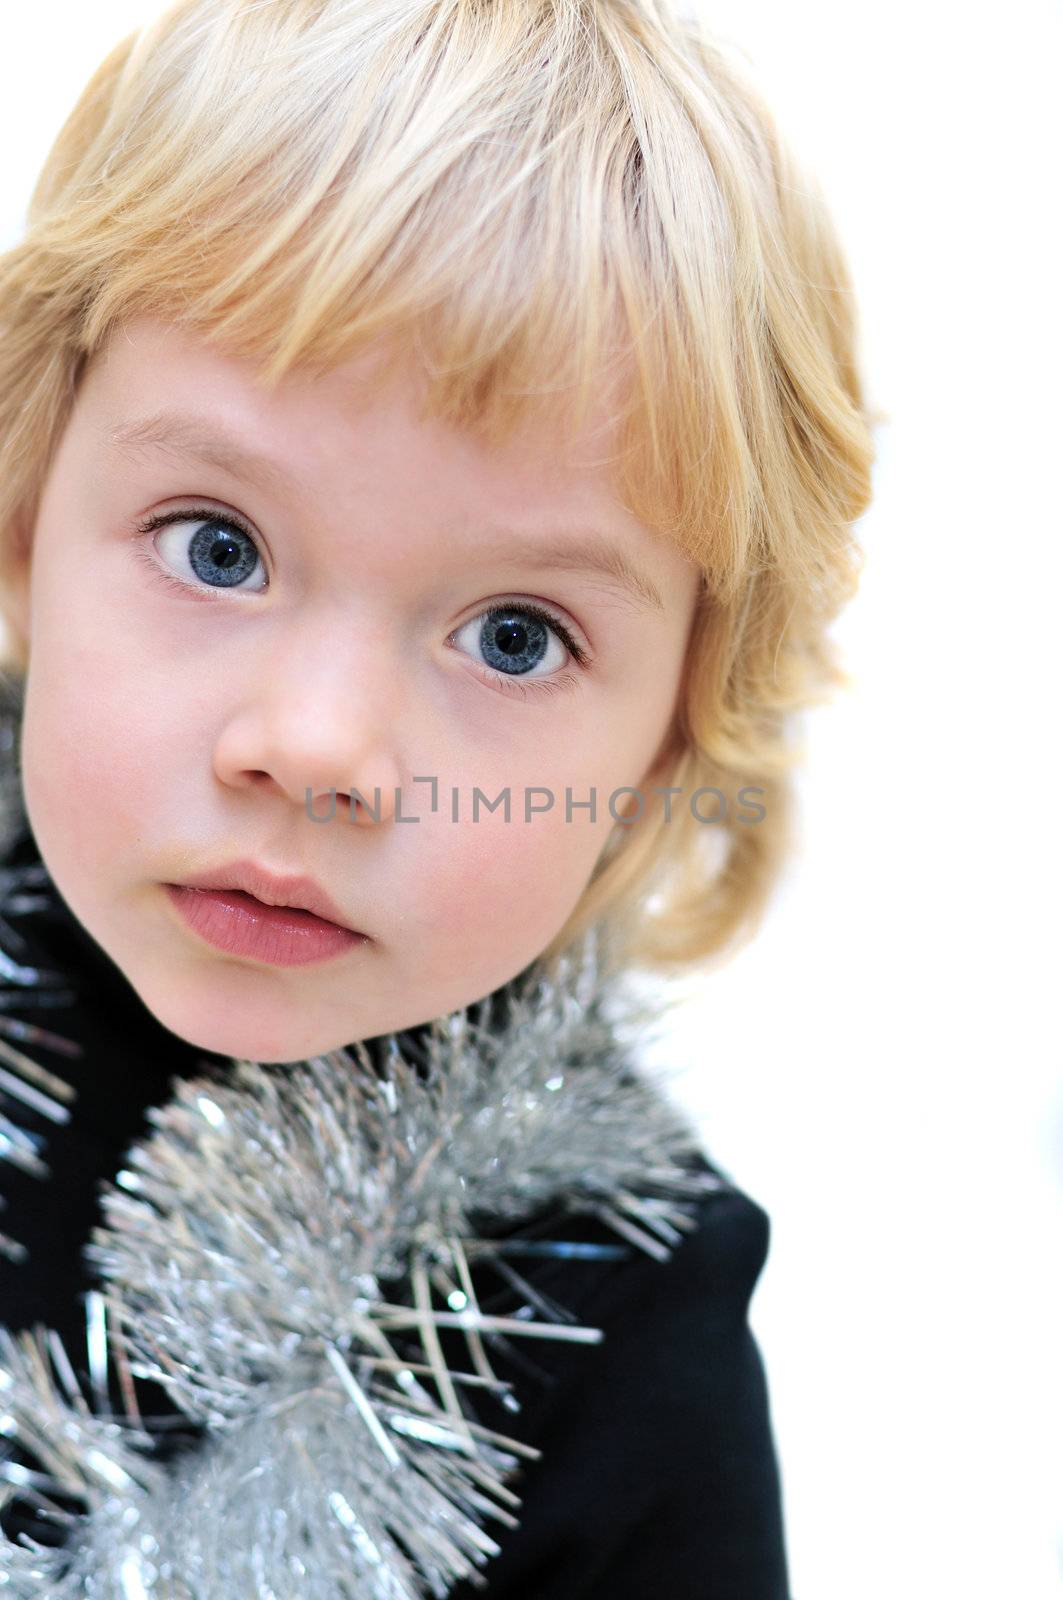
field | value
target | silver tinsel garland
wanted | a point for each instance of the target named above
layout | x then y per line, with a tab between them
251	1260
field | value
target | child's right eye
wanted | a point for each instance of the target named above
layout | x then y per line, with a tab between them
221	553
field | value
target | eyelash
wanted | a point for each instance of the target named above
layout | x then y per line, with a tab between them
511	684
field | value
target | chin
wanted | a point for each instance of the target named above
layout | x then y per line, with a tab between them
225	1032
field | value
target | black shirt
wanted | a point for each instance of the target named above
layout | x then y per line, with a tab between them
657	1478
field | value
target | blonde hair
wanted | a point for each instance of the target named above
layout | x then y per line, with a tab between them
541	197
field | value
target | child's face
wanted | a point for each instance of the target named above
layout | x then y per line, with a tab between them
173	727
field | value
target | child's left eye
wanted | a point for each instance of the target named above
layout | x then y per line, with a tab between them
221	553
514	639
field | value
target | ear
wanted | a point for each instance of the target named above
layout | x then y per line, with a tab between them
656	772
668	750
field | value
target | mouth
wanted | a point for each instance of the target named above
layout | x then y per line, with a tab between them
280	920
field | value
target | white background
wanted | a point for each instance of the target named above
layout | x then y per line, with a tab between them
880	1067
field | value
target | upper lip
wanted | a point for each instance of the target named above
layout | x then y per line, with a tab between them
290	889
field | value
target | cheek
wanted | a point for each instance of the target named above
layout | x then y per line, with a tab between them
496	881
89	781
490	878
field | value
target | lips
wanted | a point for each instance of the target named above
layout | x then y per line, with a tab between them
279	919
293	890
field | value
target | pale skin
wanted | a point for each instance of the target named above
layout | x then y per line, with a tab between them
170	727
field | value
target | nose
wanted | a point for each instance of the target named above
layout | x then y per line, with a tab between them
319	731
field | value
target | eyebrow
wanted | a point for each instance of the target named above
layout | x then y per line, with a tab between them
579	549
574	550
184	434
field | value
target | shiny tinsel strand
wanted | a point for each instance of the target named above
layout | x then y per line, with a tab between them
262	1249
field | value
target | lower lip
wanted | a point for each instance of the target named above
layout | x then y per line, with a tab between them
240	925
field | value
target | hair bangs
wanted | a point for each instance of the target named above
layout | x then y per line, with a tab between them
479	185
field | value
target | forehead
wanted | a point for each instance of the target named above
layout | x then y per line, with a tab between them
351	398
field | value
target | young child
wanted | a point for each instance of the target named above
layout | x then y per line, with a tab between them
430	443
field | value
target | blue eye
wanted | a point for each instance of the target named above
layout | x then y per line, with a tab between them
513	641
516	639
220	554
